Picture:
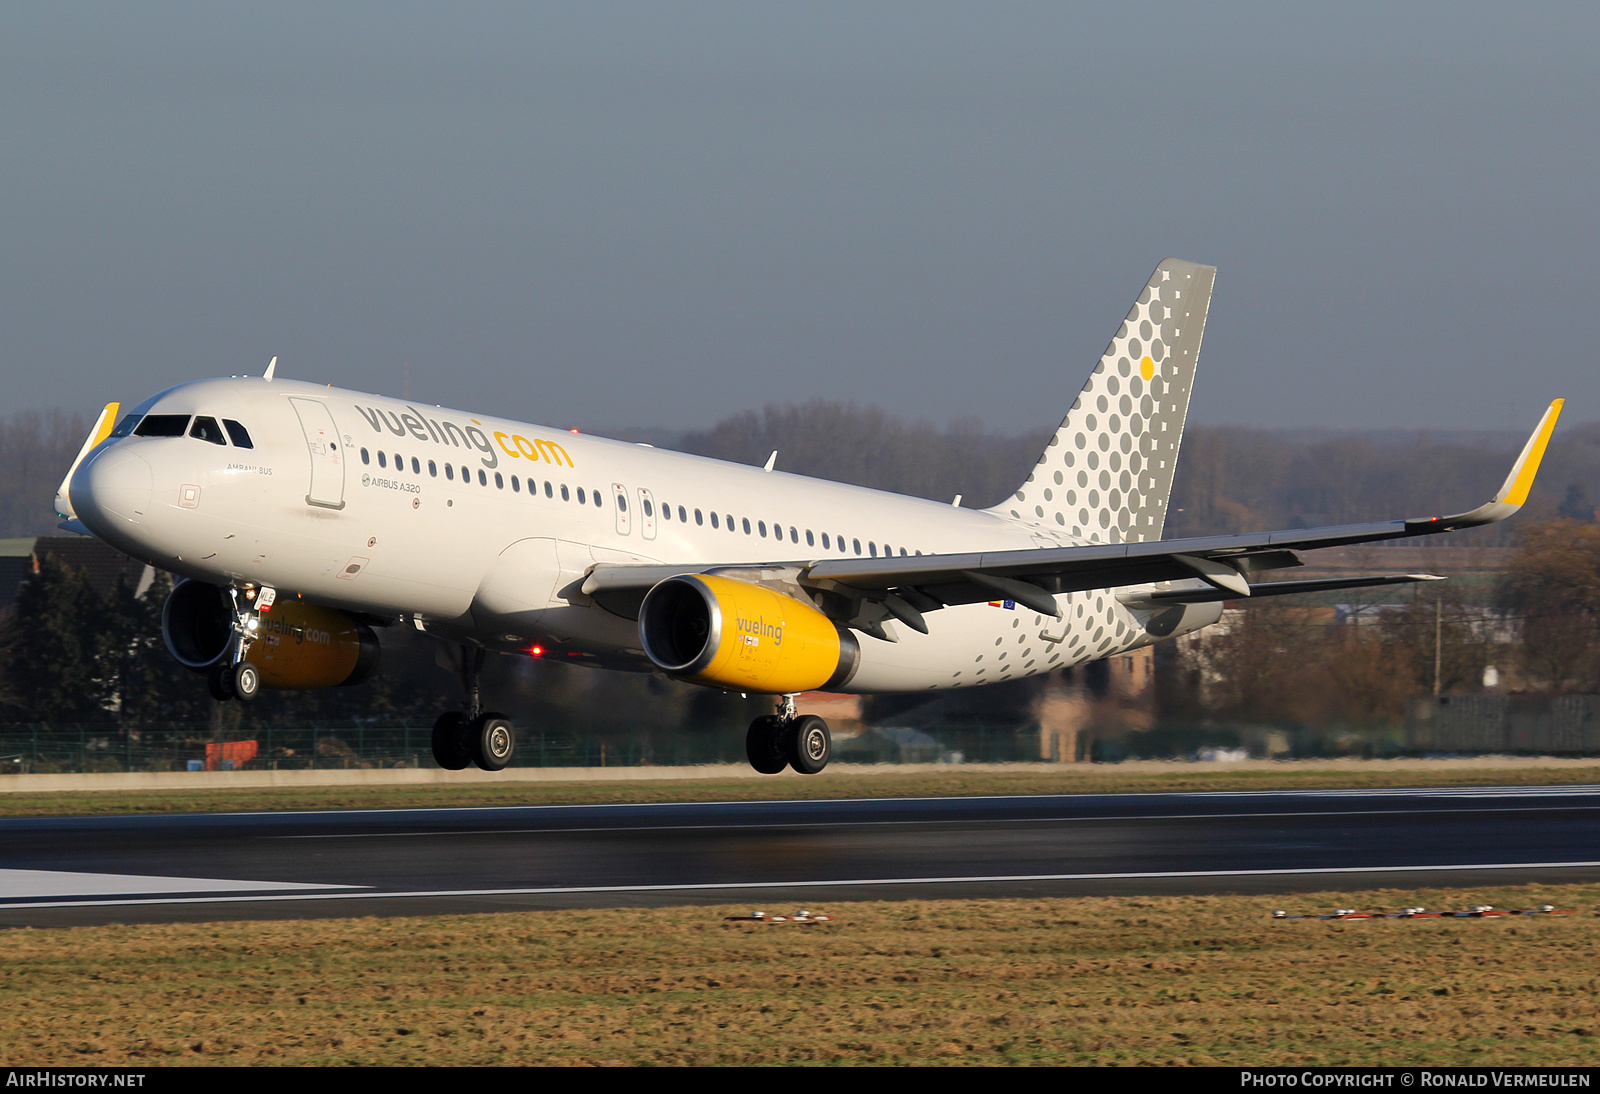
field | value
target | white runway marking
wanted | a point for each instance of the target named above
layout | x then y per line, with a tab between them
372	894
32	884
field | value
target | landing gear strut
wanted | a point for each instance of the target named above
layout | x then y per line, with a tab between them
232	677
787	739
473	735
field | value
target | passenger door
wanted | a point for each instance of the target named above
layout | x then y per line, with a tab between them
647	514
619	494
327	459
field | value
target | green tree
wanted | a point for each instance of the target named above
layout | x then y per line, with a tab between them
54	669
1553	586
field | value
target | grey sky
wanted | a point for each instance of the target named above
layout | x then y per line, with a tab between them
608	215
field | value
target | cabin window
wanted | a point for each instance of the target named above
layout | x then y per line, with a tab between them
857	543
399	462
383	460
239	434
499	481
433	469
622	505
825	545
548	492
581	499
516	487
450	471
483	477
684	516
794	535
416	466
365	456
713	518
730	523
810	539
762	525
564	495
873	547
125	426
595	494
747	526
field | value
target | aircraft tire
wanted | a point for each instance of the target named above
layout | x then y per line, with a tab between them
219	681
808	744
493	741
763	745
246	681
449	742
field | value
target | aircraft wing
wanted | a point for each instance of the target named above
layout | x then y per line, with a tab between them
1175	570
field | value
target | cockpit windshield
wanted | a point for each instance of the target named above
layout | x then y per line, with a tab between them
162	425
240	435
205	428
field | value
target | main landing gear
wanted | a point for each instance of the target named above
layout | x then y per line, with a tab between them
786	739
474	735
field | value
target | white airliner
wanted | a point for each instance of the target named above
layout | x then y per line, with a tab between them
303	517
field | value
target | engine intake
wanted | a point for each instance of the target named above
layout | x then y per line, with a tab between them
736	635
298	645
197	623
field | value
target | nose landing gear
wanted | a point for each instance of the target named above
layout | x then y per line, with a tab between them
787	739
473	736
232	677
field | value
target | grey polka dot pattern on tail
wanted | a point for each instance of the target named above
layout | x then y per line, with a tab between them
1127	422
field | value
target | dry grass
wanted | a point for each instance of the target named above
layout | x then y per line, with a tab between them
1176	980
953	781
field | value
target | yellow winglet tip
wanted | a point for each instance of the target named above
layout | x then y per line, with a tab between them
1515	491
107	422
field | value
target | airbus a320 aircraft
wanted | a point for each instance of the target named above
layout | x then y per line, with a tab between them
304	518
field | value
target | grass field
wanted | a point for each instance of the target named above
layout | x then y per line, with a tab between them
1173	980
952	780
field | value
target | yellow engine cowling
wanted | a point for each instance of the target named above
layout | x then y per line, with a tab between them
743	637
301	645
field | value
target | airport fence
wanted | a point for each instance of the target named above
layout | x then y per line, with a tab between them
102	747
39	748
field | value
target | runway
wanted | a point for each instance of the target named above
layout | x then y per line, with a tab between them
84	870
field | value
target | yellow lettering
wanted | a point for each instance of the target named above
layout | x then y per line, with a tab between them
525	446
501	437
545	449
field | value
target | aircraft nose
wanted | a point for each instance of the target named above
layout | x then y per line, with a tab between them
112	489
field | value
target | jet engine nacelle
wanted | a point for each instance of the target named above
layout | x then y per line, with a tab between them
298	645
743	637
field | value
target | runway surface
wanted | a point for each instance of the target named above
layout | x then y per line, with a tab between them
80	870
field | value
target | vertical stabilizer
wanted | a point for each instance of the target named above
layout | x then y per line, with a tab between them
1106	475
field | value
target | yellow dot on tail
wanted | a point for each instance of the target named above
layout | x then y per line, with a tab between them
1147	368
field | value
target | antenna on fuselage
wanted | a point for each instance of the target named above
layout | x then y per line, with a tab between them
772	459
272	366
